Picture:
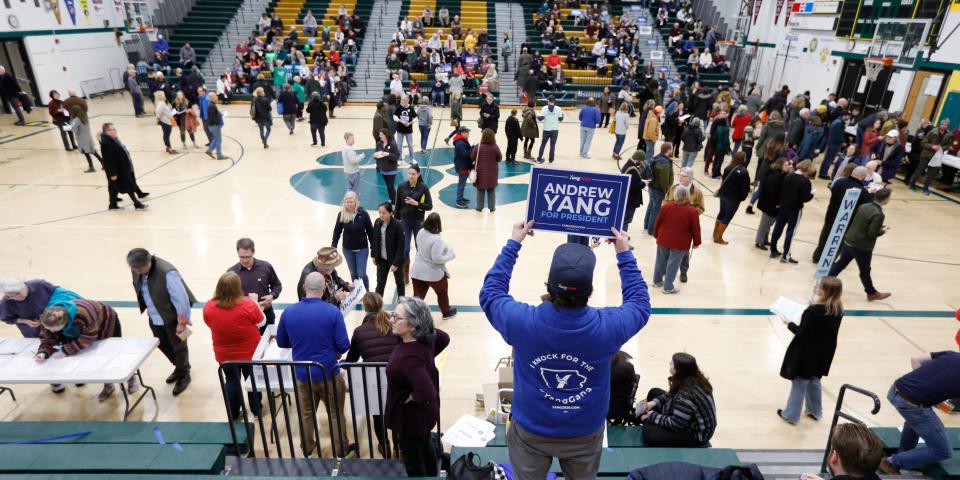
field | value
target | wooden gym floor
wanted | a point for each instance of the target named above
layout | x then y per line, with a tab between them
54	225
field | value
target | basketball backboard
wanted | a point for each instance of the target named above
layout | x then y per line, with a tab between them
901	39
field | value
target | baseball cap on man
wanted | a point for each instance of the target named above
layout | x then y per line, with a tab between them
571	271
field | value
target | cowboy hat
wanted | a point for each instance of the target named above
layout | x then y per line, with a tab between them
329	257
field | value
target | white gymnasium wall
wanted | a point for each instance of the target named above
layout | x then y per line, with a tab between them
950	51
88	14
804	63
88	62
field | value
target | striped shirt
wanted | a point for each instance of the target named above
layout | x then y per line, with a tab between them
690	410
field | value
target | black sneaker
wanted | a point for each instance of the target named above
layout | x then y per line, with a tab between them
181	385
788	260
452	313
750	209
539	160
172	377
683	278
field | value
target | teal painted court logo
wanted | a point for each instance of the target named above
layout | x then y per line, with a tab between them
327	184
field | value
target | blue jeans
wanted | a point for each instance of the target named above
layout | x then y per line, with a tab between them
424	136
549	136
736	147
215	140
438	95
667	265
265	128
409	138
410	230
689	158
650	144
353	181
803	388
919	423
357	263
234	388
618	143
461	185
653	209
586	138
828	158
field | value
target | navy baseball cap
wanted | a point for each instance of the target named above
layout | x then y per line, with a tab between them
571	271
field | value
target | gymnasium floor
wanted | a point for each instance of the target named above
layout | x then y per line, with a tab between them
54	225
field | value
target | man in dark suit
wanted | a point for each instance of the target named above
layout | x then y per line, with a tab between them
837	191
119	169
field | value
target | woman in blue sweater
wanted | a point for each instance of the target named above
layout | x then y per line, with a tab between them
354	224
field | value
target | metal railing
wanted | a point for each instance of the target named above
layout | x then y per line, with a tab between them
272	433
171	12
838	413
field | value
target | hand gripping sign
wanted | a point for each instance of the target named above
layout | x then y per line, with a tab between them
576	202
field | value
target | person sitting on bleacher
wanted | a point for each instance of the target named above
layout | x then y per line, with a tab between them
706	60
575	57
309	25
427	17
599	49
406	26
417	26
591	30
855	454
470	40
684	416
601	66
560	37
554	62
456	28
444	16
538	60
264	24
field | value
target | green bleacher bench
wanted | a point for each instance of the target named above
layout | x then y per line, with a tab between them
947	470
890	438
112	458
72	476
184	433
620	461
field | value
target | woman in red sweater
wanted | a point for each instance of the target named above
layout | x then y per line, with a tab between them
234	320
740	122
677	226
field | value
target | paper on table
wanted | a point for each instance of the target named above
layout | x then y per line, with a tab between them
788	309
13	346
57	366
94	363
469	431
274	352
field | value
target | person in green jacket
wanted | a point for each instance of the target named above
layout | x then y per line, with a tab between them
662	181
301	94
279	76
933	142
861	237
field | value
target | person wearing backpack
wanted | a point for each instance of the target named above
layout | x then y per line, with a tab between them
661	174
692	141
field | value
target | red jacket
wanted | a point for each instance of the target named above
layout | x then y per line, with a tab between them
740	122
677	226
234	330
487	165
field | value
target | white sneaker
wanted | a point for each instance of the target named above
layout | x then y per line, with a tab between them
670	292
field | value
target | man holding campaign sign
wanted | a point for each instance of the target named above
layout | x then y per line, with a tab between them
577	203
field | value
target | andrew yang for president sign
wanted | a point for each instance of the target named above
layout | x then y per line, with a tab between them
579	203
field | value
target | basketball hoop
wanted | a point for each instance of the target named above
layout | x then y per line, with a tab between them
875	65
722	46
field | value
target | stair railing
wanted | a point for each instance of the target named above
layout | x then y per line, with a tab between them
839	413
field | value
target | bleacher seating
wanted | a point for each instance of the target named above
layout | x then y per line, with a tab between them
202	27
707	79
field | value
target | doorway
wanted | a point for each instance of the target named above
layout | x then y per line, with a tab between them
922	100
13	57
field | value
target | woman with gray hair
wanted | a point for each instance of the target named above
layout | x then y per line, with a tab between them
412	407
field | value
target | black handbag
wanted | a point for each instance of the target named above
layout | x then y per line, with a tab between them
465	468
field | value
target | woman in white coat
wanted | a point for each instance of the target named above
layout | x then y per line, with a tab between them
165	118
429	268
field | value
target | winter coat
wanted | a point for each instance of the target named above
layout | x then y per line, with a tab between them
635	195
512	128
813	140
81	131
419	192
388	163
117	163
692	138
487	159
735	184
262	111
651	127
689	471
814	343
770	130
318	112
720	136
289	102
739	123
369	344
494	111
836	134
462	158
796	131
529	128
770	192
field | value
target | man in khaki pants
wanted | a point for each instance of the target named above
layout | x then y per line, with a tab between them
314	329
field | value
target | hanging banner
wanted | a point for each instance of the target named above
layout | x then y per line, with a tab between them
835	241
790	8
55	6
85	8
575	202
756	10
776	17
72	10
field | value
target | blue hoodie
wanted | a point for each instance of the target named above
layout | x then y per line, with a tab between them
562	356
202	102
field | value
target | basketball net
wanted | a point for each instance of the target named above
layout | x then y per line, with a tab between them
873	65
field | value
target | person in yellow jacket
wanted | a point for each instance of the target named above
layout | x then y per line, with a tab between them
651	128
470	41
